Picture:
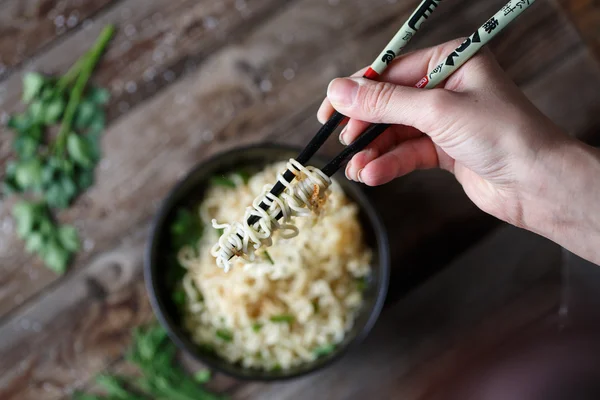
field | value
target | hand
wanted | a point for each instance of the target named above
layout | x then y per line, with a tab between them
477	125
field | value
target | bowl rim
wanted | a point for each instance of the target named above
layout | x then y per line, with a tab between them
163	317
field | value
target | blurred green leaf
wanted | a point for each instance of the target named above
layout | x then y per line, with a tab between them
186	229
60	193
86	112
84	178
28	174
56	257
53	110
25	146
67	235
36	112
19	122
202	376
98	95
79	150
34	242
24	214
32	84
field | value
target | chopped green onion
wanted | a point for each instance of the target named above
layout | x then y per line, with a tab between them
256	326
316	306
269	258
225	335
222	181
179	297
324	350
244	175
361	283
283	318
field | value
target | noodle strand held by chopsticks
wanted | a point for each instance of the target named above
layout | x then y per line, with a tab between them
301	197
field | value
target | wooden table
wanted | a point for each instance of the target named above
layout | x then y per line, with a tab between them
190	78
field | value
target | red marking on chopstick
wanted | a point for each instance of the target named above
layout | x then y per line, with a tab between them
371	74
423	82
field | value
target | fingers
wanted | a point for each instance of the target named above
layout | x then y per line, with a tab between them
373	169
354	128
406	70
382	102
326	109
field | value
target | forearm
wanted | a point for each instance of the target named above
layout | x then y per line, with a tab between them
566	207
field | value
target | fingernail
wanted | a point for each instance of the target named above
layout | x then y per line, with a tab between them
346	172
342	91
342	141
359	177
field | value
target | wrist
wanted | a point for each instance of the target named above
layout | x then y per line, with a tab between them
564	205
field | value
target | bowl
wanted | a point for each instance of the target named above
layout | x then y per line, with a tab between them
189	191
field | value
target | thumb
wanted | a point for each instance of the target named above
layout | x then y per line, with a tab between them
383	102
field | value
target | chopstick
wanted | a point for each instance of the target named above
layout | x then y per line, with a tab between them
443	70
387	55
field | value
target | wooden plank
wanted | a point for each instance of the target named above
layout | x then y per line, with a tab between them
157	41
57	343
28	26
585	15
570	96
486	296
226	99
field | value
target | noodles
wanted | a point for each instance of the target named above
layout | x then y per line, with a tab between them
304	195
285	309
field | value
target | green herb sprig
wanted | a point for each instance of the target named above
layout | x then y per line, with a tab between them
54	243
55	171
159	377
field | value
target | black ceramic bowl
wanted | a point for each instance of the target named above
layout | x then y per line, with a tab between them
190	191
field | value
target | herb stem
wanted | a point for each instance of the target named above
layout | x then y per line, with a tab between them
72	73
88	63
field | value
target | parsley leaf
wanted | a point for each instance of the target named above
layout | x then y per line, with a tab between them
186	229
32	85
202	376
54	243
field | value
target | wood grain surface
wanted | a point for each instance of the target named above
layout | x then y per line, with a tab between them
192	78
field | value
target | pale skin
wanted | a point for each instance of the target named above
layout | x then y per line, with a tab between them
512	161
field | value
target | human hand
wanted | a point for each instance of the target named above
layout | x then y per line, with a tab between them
478	125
